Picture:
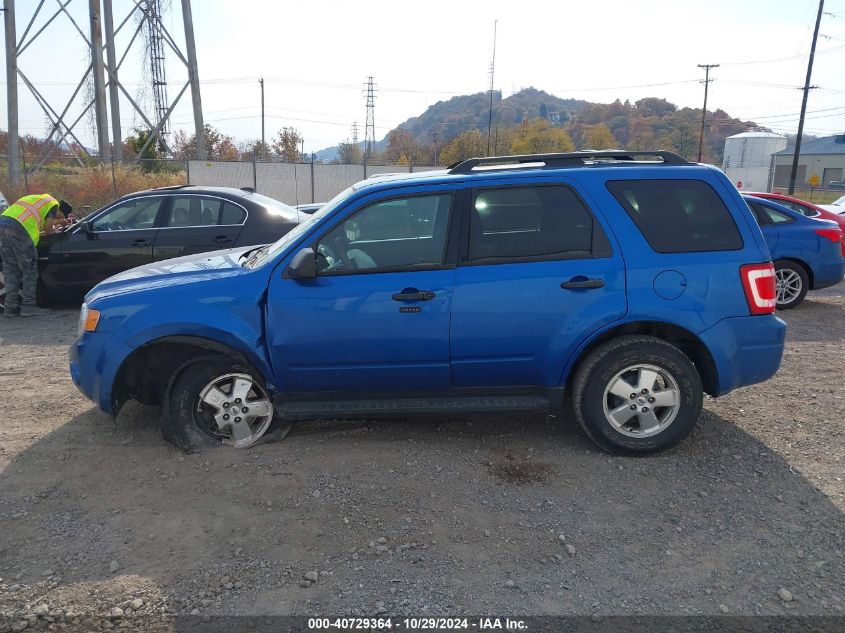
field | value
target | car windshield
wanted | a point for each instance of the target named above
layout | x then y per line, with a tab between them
263	255
274	206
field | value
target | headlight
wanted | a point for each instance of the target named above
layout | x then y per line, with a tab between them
88	320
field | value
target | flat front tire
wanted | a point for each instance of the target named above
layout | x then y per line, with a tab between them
637	395
212	402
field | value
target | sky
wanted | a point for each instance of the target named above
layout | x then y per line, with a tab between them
316	56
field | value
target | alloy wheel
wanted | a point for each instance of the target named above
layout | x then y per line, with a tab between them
641	400
789	285
235	409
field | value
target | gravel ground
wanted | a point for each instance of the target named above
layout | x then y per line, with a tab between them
105	525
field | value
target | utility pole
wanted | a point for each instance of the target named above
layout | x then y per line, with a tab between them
114	87
261	82
492	75
807	87
12	87
706	83
433	135
194	78
100	111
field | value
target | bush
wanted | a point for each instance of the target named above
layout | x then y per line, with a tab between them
92	187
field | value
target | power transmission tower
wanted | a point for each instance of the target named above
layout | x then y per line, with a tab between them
492	76
706	83
433	135
355	134
793	174
370	125
103	72
155	62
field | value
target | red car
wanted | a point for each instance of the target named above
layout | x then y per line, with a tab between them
803	207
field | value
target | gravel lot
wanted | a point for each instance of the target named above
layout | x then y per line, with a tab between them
453	516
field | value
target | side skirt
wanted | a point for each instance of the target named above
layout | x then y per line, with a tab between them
311	406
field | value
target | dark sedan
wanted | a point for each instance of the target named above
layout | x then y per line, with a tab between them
152	225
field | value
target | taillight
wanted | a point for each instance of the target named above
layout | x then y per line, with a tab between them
834	235
758	282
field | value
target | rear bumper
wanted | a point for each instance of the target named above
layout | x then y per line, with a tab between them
94	361
746	350
828	275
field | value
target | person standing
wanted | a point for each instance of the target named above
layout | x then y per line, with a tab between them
21	226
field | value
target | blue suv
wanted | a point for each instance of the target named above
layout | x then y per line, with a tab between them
634	282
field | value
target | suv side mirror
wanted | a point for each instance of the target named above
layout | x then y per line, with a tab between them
302	266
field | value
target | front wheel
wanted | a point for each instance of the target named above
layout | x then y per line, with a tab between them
637	395
792	284
212	402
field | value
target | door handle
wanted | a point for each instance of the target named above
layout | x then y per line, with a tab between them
582	284
222	239
141	243
412	294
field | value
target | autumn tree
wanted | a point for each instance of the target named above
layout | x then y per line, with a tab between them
349	153
218	146
468	144
537	136
599	137
401	142
287	144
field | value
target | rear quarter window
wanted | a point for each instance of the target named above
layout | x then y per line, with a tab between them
678	216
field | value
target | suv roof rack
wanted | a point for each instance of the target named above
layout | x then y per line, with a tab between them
567	159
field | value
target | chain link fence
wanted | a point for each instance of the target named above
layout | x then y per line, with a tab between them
89	184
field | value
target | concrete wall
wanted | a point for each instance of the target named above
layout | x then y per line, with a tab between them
292	183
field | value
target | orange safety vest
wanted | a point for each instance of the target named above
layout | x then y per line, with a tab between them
31	212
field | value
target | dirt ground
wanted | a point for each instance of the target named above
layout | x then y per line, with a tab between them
104	525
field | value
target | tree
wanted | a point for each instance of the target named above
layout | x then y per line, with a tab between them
287	143
349	154
401	143
599	137
466	145
218	146
133	143
537	136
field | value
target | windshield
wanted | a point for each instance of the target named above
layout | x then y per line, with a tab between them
839	202
267	253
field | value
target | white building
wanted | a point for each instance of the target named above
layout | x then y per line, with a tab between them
748	158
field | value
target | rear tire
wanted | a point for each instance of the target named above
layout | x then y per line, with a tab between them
637	395
211	402
792	281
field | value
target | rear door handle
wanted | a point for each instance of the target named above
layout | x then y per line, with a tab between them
582	284
412	294
141	243
222	239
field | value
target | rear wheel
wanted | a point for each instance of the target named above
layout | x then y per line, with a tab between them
792	284
212	402
637	395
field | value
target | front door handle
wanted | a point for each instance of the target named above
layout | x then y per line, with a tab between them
141	242
582	284
412	294
222	239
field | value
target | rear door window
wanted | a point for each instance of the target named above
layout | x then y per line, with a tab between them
678	216
530	223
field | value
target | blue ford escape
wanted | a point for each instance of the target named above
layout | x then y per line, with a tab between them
633	282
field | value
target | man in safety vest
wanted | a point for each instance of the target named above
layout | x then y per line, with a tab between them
21	226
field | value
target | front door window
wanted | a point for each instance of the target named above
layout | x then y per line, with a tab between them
396	234
139	213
